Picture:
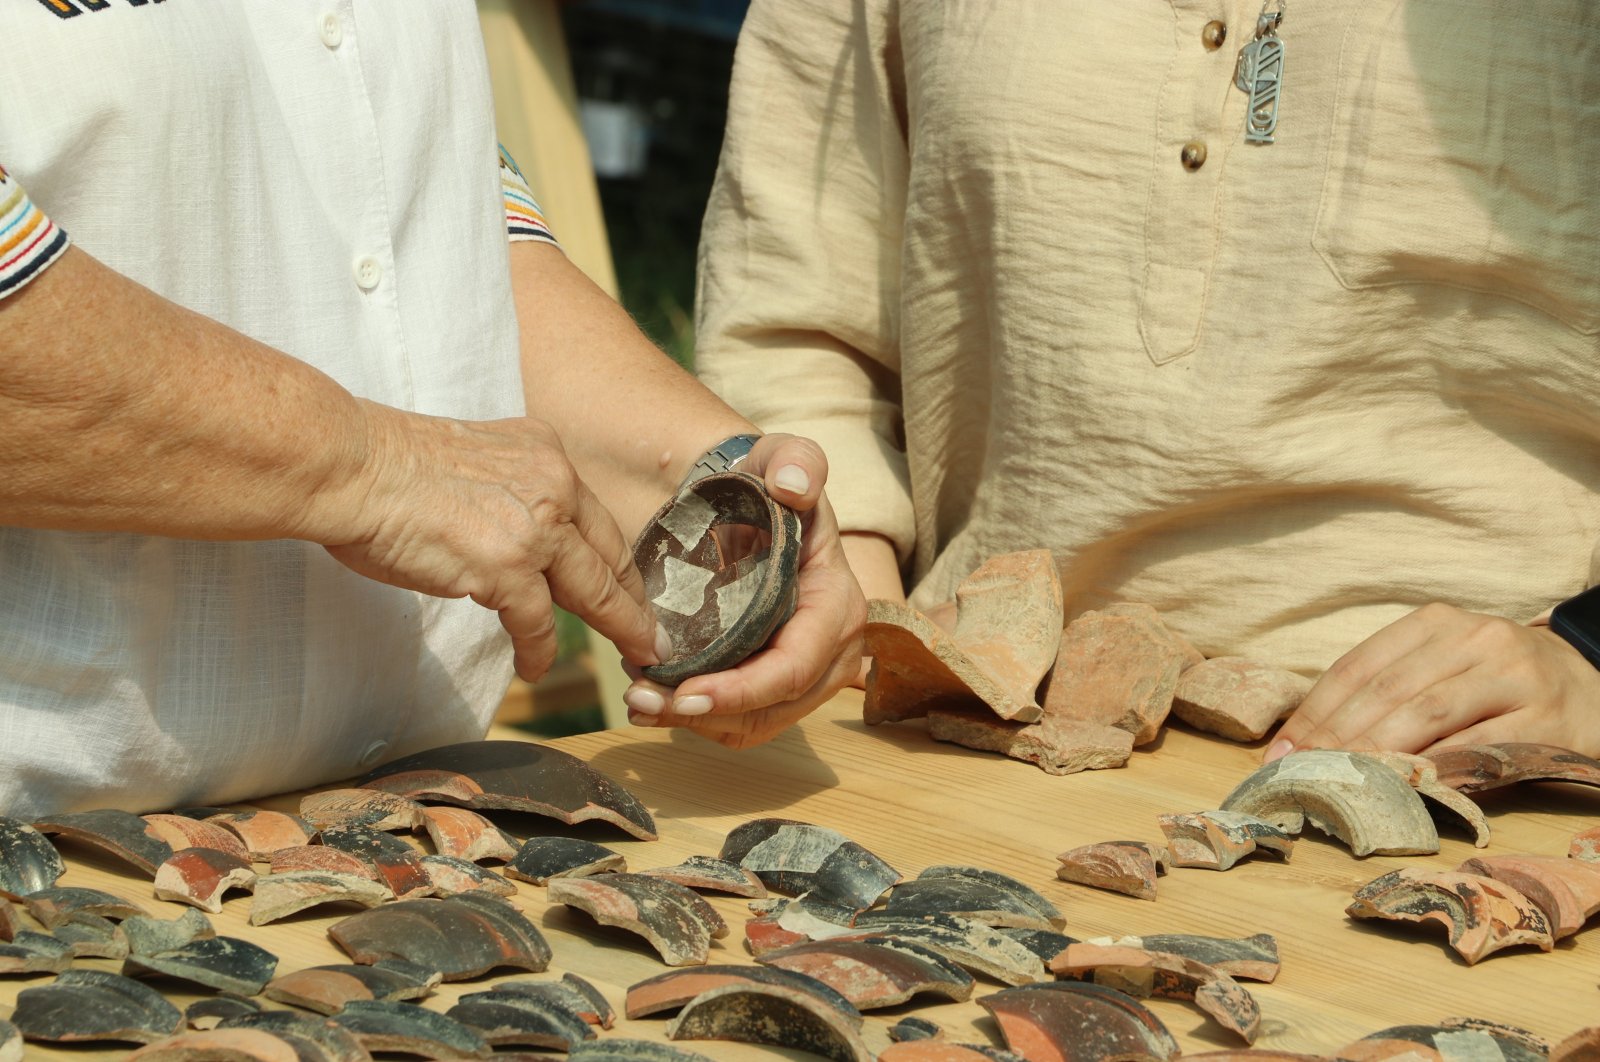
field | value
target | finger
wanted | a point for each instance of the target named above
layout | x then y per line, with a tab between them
598	528
645	698
584	584
793	468
1447	707
1395	700
531	622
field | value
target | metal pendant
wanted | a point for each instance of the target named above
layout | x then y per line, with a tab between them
1259	75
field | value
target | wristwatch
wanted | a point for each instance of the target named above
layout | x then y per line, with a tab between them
720	458
1577	619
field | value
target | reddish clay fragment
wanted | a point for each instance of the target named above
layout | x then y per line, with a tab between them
1586	846
369	808
321	857
265	832
1166	976
927	1049
542	858
1581	1046
51	907
1445	1042
1479	768
326	989
1056	744
770	1014
986	896
516	776
673	989
677	922
767	934
1254	958
1237	698
712	875
313	1037
1117	668
464	834
1128	867
1064	1021
219	1045
798	857
452	877
872	974
970	944
85	1005
28	862
199	877
1216	840
28	952
1566	890
399	866
462	937
181	832
126	836
281	895
1481	914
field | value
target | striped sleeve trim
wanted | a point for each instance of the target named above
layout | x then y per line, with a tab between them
29	241
524	219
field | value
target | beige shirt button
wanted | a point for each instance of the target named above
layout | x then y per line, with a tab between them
369	270
332	31
1193	155
374	752
1213	34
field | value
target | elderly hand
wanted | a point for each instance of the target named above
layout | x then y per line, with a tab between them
1444	676
810	658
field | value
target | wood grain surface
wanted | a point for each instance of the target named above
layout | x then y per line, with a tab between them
917	803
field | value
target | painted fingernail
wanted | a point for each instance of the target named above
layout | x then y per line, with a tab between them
696	704
1277	750
644	701
793	478
663	645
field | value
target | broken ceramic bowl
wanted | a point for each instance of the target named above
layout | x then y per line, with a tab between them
264	832
281	895
124	835
1566	890
1348	795
971	945
51	907
676	921
572	994
797	857
371	808
464	834
770	1014
1064	1021
511	1019
84	1005
1481	914
463	937
226	964
28	861
200	876
29	952
181	832
1479	768
312	1036
452	877
1254	958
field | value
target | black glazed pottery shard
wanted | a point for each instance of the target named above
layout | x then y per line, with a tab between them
1060	1021
572	993
1459	1041
985	896
83	1005
326	989
770	1014
54	906
398	864
92	937
713	875
514	776
226	964
872	974
623	1049
977	947
383	1025
675	988
797	857
28	952
1254	958
542	858
1046	945
124	835
212	1011
510	1019
28	861
717	610
148	935
912	1027
676	921
314	1038
462	937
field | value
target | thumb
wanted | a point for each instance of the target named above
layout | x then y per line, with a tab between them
794	469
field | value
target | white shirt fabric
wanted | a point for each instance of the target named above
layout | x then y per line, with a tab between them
322	177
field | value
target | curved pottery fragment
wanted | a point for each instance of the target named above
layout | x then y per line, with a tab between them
794	857
1585	845
54	906
1237	698
1128	867
28	952
1351	796
92	937
1481	914
220	1045
93	1005
199	877
972	945
450	876
1055	744
124	835
513	1019
148	935
462	937
873	974
912	1028
1479	768
770	1014
1421	774
372	808
572	994
985	896
211	1011
322	858
398	865
226	964
1581	1046
710	874
326	989
623	1049
1455	1042
384	1025
281	895
1166	976
464	834
314	1038
928	1049
673	989
1046	945
181	832
1064	1021
542	858
1217	840
1254	958
675	920
1119	667
264	832
28	861
514	776
1566	890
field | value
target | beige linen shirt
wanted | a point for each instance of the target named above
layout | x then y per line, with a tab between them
1284	397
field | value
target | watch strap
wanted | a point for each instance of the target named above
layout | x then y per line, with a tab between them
722	457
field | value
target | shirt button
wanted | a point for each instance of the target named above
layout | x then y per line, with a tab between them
1213	34
374	753
332	31
1193	155
369	270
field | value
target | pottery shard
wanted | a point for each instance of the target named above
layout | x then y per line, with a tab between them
264	832
1164	975
572	994
124	835
912	1028
1128	867
677	922
326	989
465	834
314	1037
384	1025
1585	846
219	1045
28	862
1462	1040
1477	768
626	1049
83	1005
1116	668
92	937
463	937
226	964
928	1049
673	989
1566	890
1581	1046
151	936
28	952
452	877
770	1014
1481	914
181	832
505	1018
917	666
978	893
210	1011
321	857
969	944
1421	774
371	808
1255	957
799	857
873	974
712	875
1216	840
199	877
281	895
53	906
1237	698
542	858
1057	745
1064	1021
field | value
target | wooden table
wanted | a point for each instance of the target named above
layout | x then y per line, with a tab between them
916	802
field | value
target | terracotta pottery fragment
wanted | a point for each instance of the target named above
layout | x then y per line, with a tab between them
398	865
1348	795
84	1005
1064	1021
929	1050
1482	915
465	834
212	1011
406	1028
912	1028
1479	768
572	994
1043	943
516	776
1161	974
28	952
281	895
51	907
1439	1043
220	1045
872	974
148	935
969	944
1217	840
985	896
1253	958
677	922
622	1049
1581	1046
1255	1054
1566	890
1128	867
321	857
452	877
675	988
181	832
315	1038
1421	774
199	877
462	937
511	1019
326	989
373	809
1117	668
226	964
712	875
124	835
1237	698
770	1014
1057	745
28	862
797	857
10	1042
543	858
91	936
1502	1031
265	832
1585	846
1007	629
